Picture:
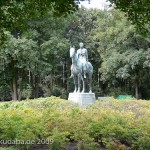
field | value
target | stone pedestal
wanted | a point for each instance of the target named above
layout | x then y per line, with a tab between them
83	99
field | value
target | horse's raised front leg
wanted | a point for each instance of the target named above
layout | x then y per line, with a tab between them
75	84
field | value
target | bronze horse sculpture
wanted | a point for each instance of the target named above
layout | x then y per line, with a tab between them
77	72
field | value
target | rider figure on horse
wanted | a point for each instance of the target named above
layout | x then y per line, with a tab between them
82	55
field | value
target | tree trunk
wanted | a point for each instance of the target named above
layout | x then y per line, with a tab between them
98	78
16	34
64	85
33	85
36	87
137	90
14	88
14	85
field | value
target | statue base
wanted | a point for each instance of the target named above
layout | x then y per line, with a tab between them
83	99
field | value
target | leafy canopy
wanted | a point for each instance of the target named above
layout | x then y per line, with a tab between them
16	13
138	11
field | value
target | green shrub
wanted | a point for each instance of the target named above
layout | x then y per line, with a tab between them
56	92
116	92
60	140
7	148
112	124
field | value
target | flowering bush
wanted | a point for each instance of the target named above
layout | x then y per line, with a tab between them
111	124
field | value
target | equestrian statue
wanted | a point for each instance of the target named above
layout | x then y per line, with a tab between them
80	68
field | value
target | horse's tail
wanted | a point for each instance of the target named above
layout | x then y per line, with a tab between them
90	67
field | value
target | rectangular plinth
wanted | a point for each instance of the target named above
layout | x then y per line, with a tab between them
83	99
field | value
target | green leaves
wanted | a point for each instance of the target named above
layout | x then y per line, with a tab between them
124	53
21	50
138	15
16	14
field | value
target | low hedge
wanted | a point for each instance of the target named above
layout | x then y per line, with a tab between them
111	124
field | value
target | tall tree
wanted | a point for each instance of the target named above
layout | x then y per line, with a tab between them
16	56
122	51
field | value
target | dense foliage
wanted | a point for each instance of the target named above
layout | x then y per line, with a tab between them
124	54
36	62
111	124
14	14
45	45
138	11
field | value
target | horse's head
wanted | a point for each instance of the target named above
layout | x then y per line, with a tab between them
72	52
